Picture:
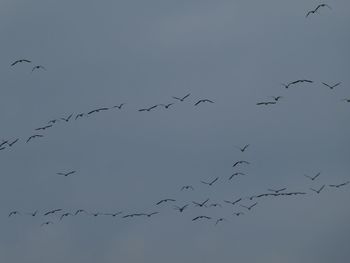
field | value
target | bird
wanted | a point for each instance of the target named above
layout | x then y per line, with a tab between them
277	98
240	162
132	215
80	211
233	202
180	209
150	108
4	142
80	115
98	110
296	82
212	182
215	205
316	9
235	174
151	214
12	143
166	105
12	213
319	190
201	217
53	121
201	204
249	207
187	187
339	185
266	103
238	213
66	174
331	86
95	214
20	61
33	214
34	136
183	98
312	178
46	223
203	100
277	191
165	200
38	67
2	148
44	128
113	214
243	148
119	106
347	100
64	215
52	211
220	220
68	118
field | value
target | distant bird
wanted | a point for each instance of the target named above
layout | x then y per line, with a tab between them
210	183
235	174
312	178
95	214
12	143
98	110
2	148
296	82
277	98
277	191
79	211
204	100
215	205
12	213
132	215
80	115
183	98
34	136
220	220
240	162
53	121
201	217
4	142
68	118
34	213
180	209
249	207
113	214
165	200
66	174
233	202
20	61
243	148
187	187
52	211
46	223
150	108
166	105
119	106
347	100
44	128
266	103
201	204
151	214
331	86
316	9
64	215
38	67
319	190
339	185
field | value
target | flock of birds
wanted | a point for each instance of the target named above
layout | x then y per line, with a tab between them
240	205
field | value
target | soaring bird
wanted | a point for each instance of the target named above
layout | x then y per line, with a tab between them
319	190
68	118
34	213
183	98
12	143
331	86
4	142
113	214
67	174
212	182
80	115
118	106
220	220
243	148
38	67
215	205
132	215
296	82
201	217
2	148
20	61
235	174
339	185
201	204
64	215
166	105
347	100
238	213
180	208
165	200
52	211
12	213
34	136
266	103
277	98
316	9
204	100
277	191
44	128
79	211
98	110
53	121
249	207
95	214
187	187
240	162
150	108
151	214
312	178
233	202
46	223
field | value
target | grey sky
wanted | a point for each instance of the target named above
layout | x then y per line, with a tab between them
103	53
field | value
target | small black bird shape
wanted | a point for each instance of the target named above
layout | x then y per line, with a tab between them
4	142
339	185
113	214
249	207
12	213
12	143
187	187
277	191
33	214
53	121
68	118
64	215
80	115
20	61
316	9
47	223
212	182
277	98
132	215
52	211
80	211
166	105
235	174
319	190
119	106
204	100
312	178
240	162
347	100
183	98
296	82
180	209
220	220
165	200
201	204
2	148
44	128
97	110
151	214
215	205
34	136
233	202
67	174
201	217
266	103
244	148
150	108
95	214
38	67
331	86
238	213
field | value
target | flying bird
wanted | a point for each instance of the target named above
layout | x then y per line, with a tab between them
38	67
238	213
64	215
151	214
201	217
187	187
266	103
331	86
97	110
166	105
312	178
165	200
80	115
80	211
12	213
220	220
249	207
132	215
319	190
20	61
339	185
201	204
215	205
204	100
113	214
244	148
52	211
53	121
119	106
12	143
46	223
296	82
150	108
183	98
33	214
316	9
4	142
2	148
277	191
180	209
34	136
235	174
67	174
347	100
233	202
44	128
212	182
240	162
277	98
68	118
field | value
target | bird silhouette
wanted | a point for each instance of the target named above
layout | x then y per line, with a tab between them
113	214
166	105
20	61
68	118
339	185
180	209
119	106
319	190
187	187
53	121
4	142
12	143
201	204
2	148
150	108
66	174
266	103
34	213
240	162
316	9
46	223
64	215
312	178
235	174
347	100
201	217
277	98
44	128
233	202
132	215
277	191
38	67
243	148
151	214
238	213
98	110
34	136
80	115
220	220
296	82
331	86
52	211
12	213
204	100
215	205
183	98
79	211
249	207
165	200
210	183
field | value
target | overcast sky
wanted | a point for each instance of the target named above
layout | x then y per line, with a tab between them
141	53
